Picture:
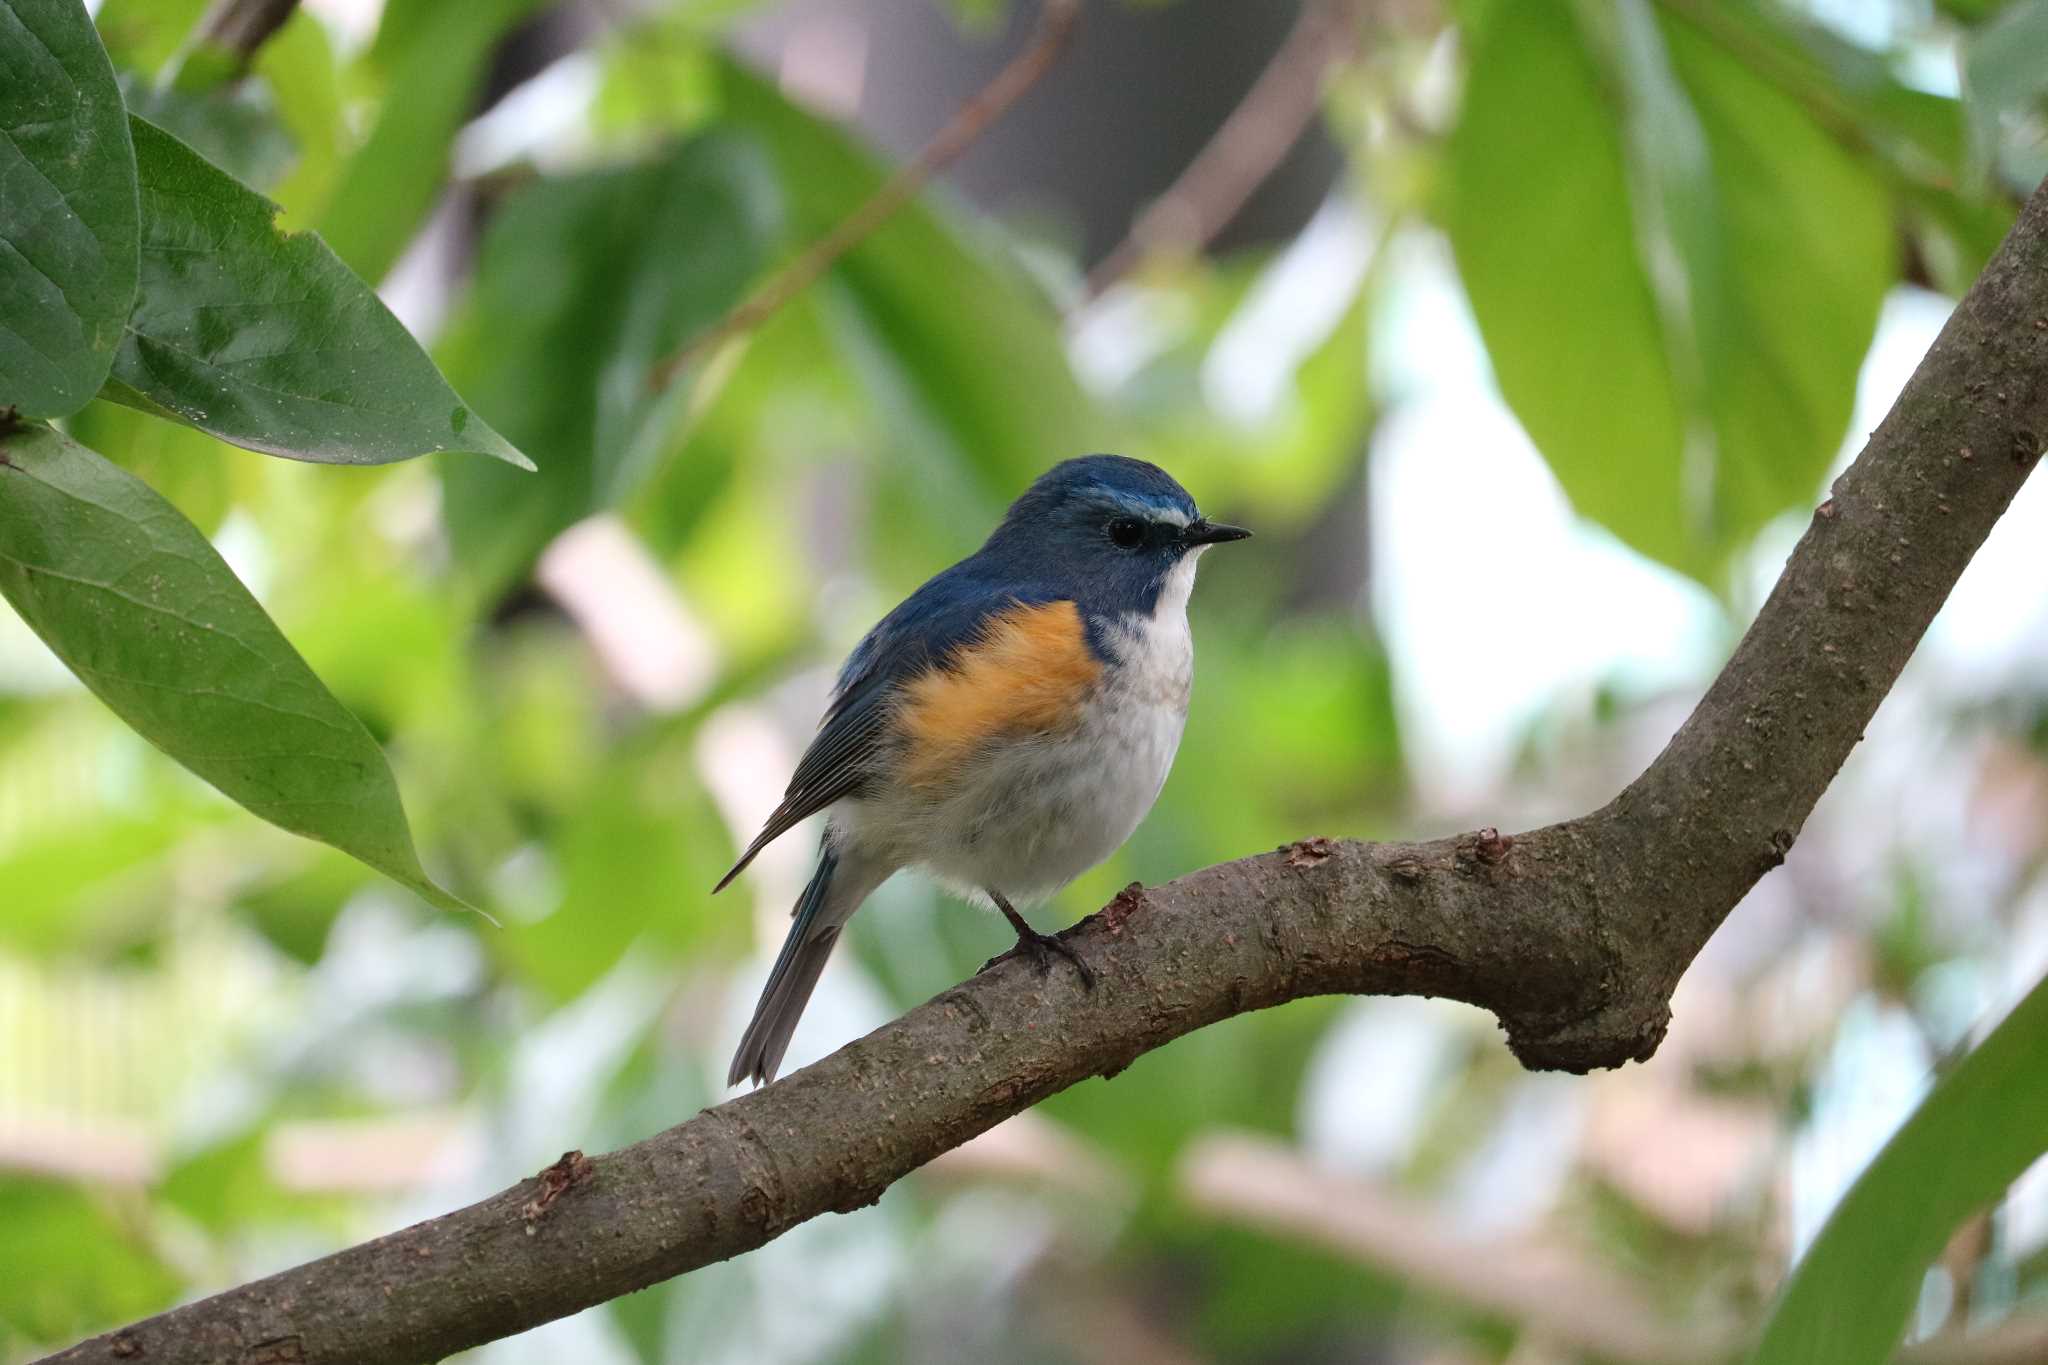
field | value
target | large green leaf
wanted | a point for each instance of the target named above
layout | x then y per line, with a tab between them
234	127
266	340
1682	417
388	187
583	283
132	598
67	208
947	334
1983	1124
1539	214
1788	251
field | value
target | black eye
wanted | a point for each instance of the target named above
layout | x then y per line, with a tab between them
1127	533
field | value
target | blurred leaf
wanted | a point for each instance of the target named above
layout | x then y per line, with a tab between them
1265	1297
1244	1072
1957	235
949	337
659	895
2005	85
228	1186
51	881
1682	424
143	610
659	77
234	128
298	65
1841	84
72	1267
1788	262
266	340
68	214
142	35
295	911
437	55
1985	1122
583	283
1539	215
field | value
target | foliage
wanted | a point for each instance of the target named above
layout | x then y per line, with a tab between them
1675	225
1978	1132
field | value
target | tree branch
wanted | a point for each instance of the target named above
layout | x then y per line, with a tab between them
1259	133
1574	934
225	44
1546	1288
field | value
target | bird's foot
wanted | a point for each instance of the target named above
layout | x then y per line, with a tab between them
1040	949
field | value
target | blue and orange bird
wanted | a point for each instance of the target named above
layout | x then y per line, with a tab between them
1006	728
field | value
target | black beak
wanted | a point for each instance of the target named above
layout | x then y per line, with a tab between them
1206	532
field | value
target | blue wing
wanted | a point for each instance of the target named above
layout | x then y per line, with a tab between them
919	635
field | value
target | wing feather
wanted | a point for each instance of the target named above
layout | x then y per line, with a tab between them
919	635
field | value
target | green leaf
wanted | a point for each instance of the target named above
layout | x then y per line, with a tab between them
136	603
984	389
73	1266
1788	258
1984	1124
265	340
609	903
143	35
235	128
298	65
67	212
189	469
388	187
590	279
1539	215
55	883
1682	418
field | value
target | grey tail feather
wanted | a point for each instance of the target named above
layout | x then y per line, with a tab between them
790	983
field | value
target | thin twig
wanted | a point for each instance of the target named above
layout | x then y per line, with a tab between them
1026	69
1245	149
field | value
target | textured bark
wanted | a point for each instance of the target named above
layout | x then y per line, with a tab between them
1574	934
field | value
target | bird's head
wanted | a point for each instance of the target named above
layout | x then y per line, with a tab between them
1109	517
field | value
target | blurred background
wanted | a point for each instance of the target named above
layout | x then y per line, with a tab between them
1526	335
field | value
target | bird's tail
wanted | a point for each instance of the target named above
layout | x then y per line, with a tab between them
791	980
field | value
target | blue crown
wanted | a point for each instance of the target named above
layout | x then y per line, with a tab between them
1103	480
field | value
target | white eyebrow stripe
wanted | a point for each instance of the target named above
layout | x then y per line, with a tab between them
1171	516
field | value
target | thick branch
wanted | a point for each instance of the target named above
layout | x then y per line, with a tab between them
1574	935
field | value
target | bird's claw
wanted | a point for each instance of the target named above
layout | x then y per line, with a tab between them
1040	948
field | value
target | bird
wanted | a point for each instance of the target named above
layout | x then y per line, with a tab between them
1005	728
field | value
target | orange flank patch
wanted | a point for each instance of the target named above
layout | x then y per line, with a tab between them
1027	673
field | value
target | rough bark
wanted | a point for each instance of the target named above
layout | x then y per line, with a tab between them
1573	935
